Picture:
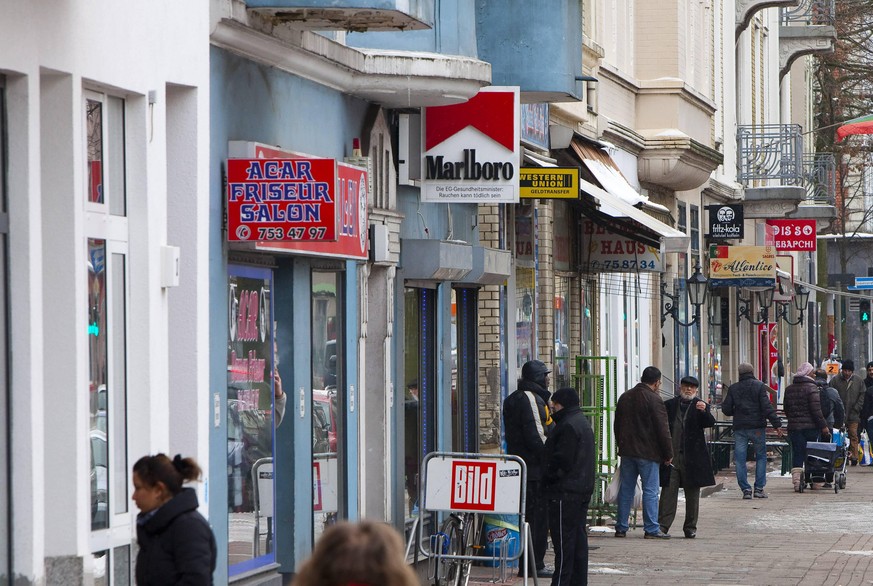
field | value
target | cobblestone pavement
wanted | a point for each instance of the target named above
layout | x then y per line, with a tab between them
815	538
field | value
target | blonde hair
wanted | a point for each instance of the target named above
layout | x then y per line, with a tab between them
368	553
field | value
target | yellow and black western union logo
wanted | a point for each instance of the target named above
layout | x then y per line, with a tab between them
549	183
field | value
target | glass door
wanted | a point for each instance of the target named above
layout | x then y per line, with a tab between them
328	400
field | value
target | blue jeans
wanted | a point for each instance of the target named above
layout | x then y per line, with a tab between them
741	446
649	473
798	439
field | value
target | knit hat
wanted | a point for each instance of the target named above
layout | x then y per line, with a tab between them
805	369
848	365
566	397
745	368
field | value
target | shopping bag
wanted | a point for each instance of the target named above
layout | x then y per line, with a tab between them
638	495
610	495
865	458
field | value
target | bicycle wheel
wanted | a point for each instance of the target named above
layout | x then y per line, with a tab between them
453	528
472	533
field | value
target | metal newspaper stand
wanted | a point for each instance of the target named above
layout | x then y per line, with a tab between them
462	483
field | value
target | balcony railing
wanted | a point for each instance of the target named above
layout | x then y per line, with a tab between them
810	12
820	178
770	154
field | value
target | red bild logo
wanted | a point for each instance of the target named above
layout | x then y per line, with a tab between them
473	485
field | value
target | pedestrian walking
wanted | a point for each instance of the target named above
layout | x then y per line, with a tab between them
851	389
831	405
642	435
748	402
349	554
692	468
568	482
527	422
866	417
805	420
176	545
868	380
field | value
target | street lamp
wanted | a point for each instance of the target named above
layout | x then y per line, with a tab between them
765	300
801	298
696	288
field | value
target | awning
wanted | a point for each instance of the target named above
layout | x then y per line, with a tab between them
611	205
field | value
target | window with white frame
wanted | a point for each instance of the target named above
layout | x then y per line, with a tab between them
106	255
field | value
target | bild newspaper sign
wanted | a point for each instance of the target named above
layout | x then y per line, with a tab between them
463	484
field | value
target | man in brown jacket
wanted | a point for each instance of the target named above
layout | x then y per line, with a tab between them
852	390
642	434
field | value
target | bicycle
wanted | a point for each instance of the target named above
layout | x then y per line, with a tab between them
458	538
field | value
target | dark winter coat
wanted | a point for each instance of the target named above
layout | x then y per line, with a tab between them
640	426
867	409
831	405
748	402
527	422
852	393
569	457
698	466
803	405
176	545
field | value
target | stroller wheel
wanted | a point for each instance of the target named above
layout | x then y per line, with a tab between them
843	481
836	487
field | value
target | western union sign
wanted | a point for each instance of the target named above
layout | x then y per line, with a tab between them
549	183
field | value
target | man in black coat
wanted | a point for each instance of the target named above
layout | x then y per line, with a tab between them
526	423
691	468
568	482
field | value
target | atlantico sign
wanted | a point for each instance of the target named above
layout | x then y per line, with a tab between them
471	150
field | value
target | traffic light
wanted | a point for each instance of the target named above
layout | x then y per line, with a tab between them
864	307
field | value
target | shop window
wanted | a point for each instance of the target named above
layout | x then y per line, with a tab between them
106	258
419	411
465	425
525	285
562	369
251	419
328	400
695	231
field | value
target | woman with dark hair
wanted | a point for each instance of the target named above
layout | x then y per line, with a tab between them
360	554
176	545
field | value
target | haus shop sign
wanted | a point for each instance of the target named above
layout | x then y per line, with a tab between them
742	266
471	150
281	199
603	250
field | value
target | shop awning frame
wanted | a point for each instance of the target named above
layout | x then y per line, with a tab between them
672	239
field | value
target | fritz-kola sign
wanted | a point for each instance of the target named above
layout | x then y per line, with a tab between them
471	150
725	221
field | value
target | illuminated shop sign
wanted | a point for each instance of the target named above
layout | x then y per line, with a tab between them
471	150
281	200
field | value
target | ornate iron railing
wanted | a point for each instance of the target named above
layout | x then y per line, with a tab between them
810	12
770	154
820	178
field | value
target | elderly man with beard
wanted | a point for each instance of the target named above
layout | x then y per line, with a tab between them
691	468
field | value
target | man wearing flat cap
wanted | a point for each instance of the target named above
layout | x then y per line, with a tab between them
568	482
851	388
748	402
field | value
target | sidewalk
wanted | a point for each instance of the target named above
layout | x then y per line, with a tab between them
812	539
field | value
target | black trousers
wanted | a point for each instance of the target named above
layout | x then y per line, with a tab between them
567	518
536	514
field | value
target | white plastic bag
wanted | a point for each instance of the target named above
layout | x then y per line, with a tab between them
610	495
638	495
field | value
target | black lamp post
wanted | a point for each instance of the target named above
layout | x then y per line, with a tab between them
801	298
696	287
765	300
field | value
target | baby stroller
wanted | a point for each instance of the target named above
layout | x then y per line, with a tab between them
825	459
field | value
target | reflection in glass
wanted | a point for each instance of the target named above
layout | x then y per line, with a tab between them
525	292
115	156
98	393
94	124
561	374
100	567
249	418
327	382
121	566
